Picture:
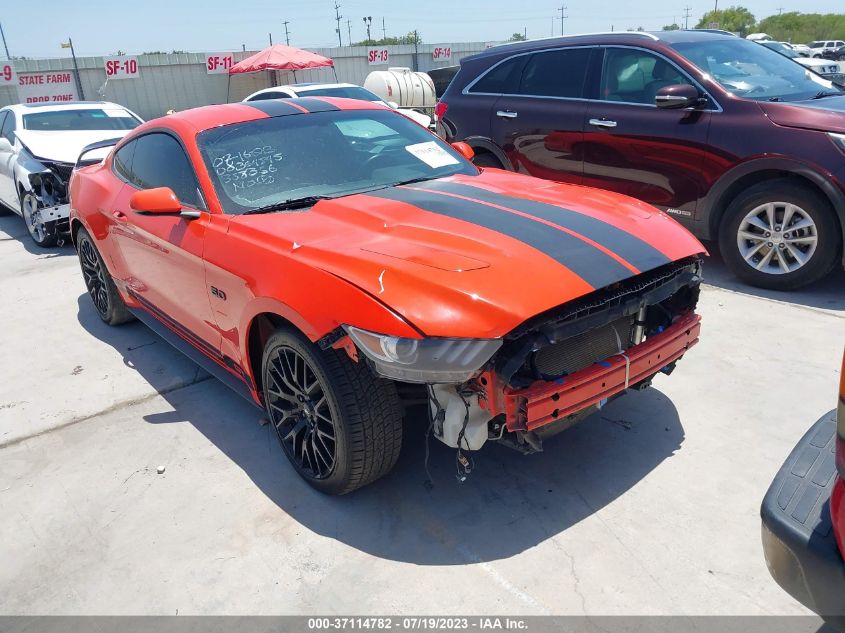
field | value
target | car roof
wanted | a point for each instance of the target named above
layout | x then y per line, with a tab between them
612	37
205	117
302	87
28	108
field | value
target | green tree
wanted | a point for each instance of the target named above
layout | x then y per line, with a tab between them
804	27
411	38
517	37
735	19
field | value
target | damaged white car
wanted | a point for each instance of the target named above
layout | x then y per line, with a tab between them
39	146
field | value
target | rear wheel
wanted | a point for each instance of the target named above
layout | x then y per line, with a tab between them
107	301
339	425
43	233
780	235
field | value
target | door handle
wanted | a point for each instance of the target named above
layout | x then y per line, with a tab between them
602	123
506	114
119	215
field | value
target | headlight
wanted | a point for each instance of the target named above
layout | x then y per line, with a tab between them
838	140
431	360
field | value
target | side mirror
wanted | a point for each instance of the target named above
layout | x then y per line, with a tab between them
5	145
393	105
677	96
158	201
464	150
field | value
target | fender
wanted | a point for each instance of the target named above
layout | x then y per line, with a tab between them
482	142
712	206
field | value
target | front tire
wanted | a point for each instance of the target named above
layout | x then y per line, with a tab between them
780	235
107	300
44	234
339	425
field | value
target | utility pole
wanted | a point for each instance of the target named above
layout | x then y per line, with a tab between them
271	38
416	51
337	18
687	13
780	10
287	34
368	22
563	15
6	48
75	68
243	47
525	32
383	29
349	31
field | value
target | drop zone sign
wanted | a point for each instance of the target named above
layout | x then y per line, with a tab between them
47	87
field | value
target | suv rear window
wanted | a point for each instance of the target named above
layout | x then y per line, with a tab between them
503	78
558	73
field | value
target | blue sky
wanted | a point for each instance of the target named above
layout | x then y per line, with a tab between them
101	27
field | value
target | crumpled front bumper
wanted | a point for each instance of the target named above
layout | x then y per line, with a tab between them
798	538
544	402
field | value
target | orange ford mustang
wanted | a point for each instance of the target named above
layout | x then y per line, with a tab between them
333	261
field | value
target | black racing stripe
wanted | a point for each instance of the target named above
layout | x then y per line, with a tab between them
596	268
315	105
274	107
632	249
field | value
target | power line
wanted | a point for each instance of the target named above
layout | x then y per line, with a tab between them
687	13
337	18
563	15
287	34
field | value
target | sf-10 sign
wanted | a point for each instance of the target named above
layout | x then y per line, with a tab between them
121	67
217	63
377	56
442	53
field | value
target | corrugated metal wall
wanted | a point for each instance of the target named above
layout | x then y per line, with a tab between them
179	81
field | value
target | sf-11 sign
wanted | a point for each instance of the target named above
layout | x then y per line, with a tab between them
442	53
377	56
218	63
121	67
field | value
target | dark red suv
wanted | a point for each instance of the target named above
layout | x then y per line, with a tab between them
737	142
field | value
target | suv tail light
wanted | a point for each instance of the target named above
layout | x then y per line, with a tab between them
440	109
840	424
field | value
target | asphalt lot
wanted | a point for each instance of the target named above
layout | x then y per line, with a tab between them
650	507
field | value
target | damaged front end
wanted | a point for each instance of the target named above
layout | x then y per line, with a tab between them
550	372
49	186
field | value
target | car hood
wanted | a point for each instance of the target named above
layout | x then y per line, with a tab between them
63	147
476	256
827	114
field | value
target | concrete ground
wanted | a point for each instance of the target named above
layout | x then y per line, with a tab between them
650	507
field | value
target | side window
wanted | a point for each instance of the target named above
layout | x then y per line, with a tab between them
9	127
559	73
160	161
633	76
270	95
501	79
122	161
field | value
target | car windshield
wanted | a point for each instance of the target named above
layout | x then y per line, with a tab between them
753	71
326	154
75	120
347	92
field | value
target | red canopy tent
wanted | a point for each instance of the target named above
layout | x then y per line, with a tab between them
280	57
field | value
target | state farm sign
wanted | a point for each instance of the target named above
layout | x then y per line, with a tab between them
46	87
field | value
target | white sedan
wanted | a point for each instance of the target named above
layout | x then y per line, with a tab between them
348	91
39	146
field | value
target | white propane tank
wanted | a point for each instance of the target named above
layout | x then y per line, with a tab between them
402	85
